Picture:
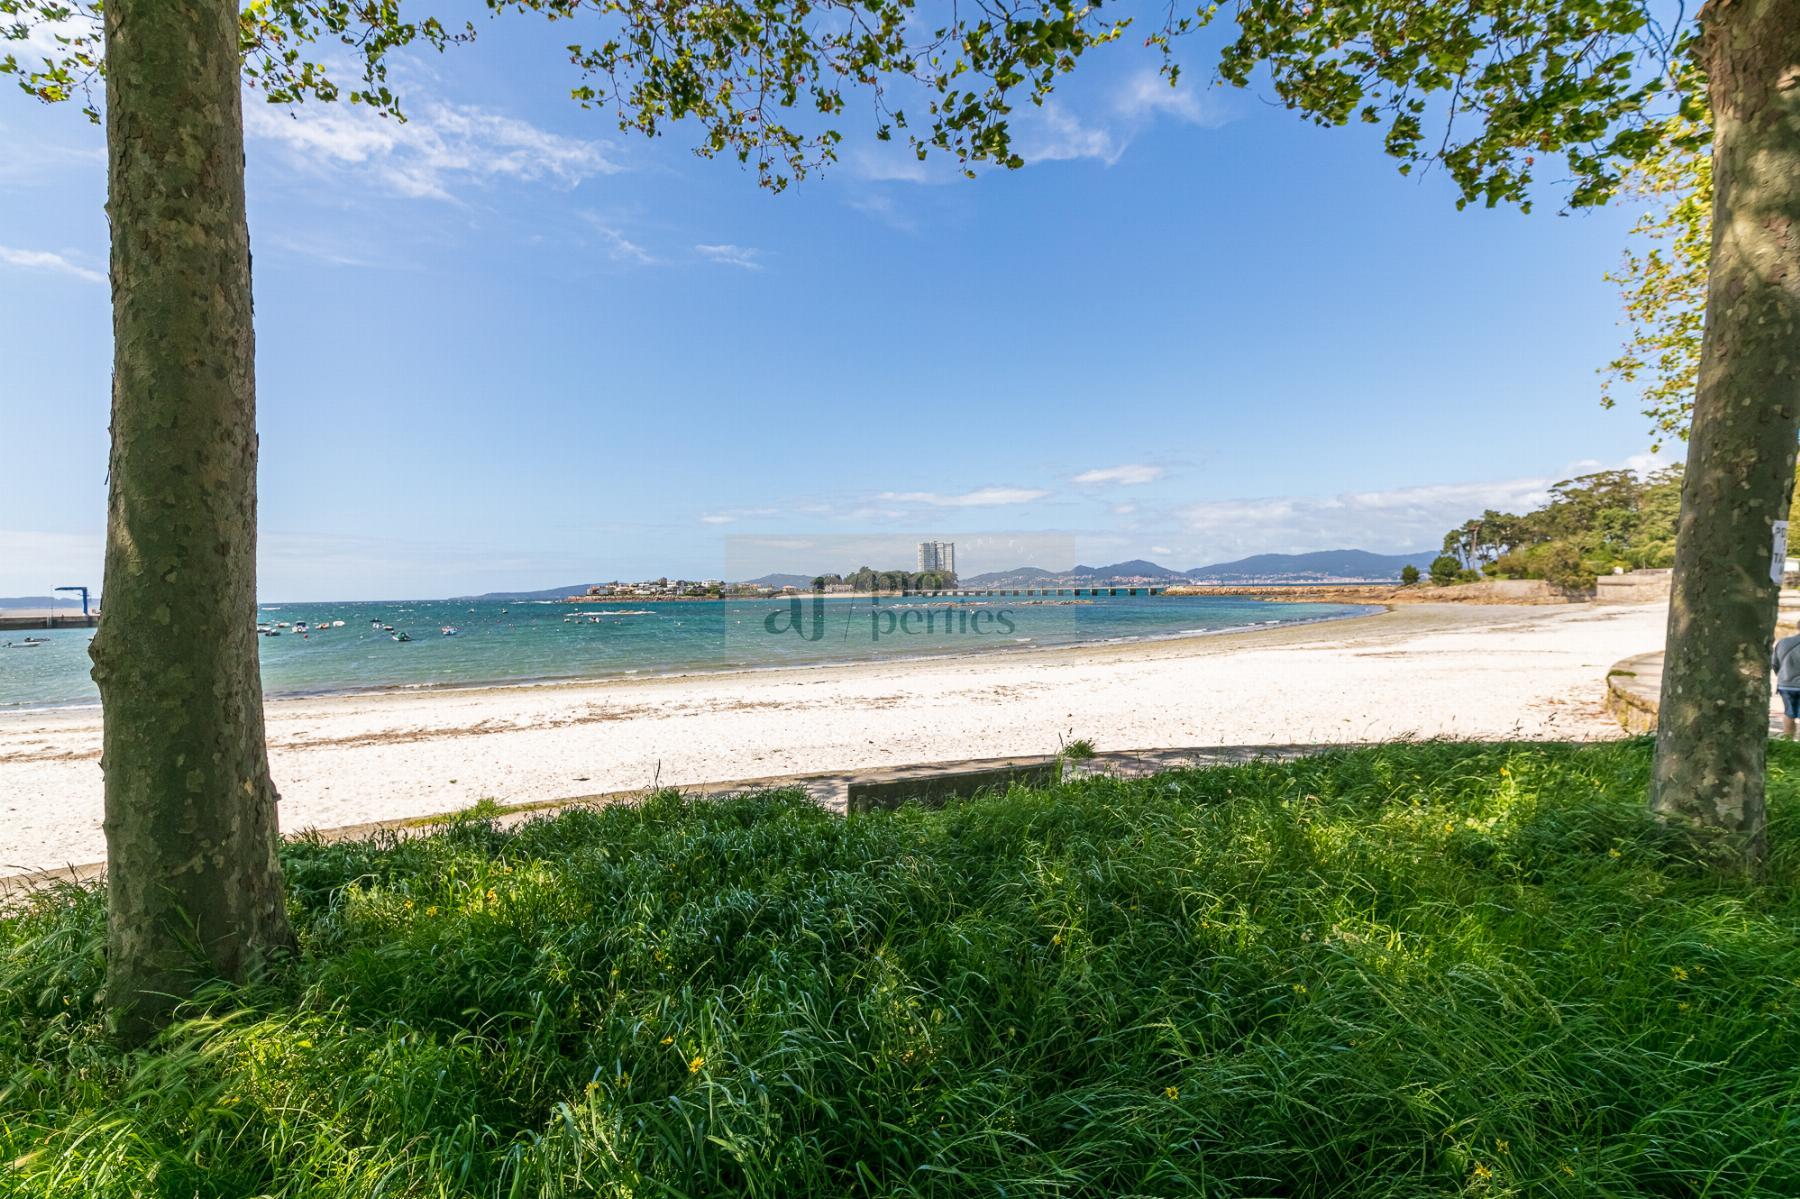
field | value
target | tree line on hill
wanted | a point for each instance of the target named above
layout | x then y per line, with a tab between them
1590	526
864	578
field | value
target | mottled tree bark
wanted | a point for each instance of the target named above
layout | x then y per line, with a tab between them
194	884
1712	735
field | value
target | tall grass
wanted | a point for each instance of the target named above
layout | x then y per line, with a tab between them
1413	971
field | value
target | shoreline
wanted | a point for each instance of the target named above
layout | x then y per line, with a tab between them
756	668
1415	671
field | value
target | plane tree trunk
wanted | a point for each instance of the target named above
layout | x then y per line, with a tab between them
193	882
1712	733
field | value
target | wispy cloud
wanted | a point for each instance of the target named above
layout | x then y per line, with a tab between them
1146	95
739	256
441	147
894	163
881	207
1128	474
44	260
619	247
981	497
717	518
1055	134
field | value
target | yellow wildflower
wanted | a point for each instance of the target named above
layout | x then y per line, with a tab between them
1171	1093
431	910
1678	973
593	1085
408	905
1482	1173
1502	1145
1613	852
1056	940
695	1064
668	1040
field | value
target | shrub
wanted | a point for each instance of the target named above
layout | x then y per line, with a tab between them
1444	569
1409	574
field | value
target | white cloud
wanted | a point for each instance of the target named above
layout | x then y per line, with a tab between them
893	163
1055	134
1124	509
1161	551
729	255
619	247
717	518
1146	95
44	260
981	497
439	147
1129	473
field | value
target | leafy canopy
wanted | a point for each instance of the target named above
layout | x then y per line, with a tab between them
1662	279
1501	82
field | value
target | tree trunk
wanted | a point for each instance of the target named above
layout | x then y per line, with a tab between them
193	882
1712	734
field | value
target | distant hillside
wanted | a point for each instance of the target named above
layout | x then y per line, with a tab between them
1323	564
1137	568
1334	565
38	601
547	593
1034	576
781	580
1024	576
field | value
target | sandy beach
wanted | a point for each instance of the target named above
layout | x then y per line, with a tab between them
1418	671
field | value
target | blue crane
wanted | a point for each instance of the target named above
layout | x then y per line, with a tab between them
84	599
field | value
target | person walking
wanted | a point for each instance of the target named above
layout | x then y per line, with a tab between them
1784	661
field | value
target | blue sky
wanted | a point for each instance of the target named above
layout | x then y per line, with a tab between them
507	346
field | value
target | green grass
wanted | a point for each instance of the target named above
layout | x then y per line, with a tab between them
1415	971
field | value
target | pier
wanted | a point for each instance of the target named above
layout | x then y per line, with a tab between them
48	620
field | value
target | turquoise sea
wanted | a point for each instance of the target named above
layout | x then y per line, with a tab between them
531	641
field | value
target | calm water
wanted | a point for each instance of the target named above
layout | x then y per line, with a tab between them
531	641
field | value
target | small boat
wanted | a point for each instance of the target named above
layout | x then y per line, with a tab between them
387	628
337	624
274	632
36	641
402	637
449	630
300	626
374	624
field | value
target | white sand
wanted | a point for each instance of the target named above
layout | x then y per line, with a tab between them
1421	671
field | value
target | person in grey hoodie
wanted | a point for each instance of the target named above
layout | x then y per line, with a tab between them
1784	660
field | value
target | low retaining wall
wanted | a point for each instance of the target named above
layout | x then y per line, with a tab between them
1633	688
1635	587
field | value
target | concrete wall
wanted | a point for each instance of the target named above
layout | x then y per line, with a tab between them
1633	587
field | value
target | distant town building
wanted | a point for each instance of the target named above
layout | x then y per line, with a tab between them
937	555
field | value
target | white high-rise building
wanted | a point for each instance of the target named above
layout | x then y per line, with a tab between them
938	555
